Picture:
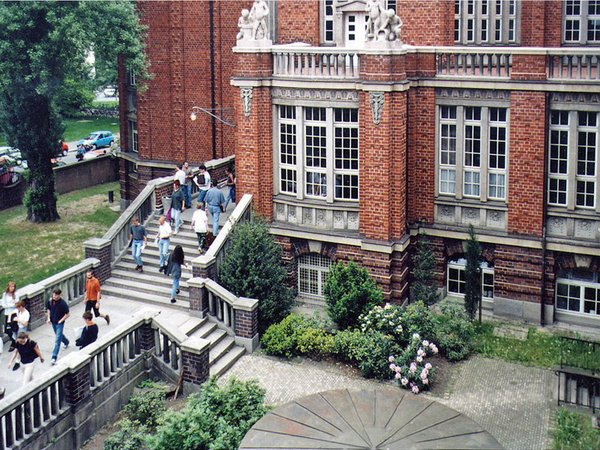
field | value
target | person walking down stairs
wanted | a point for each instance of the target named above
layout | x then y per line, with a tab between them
176	260
139	239
92	296
177	205
164	240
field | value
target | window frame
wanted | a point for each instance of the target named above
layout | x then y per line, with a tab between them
582	19
570	181
133	135
472	169
487	22
305	262
460	265
327	192
583	287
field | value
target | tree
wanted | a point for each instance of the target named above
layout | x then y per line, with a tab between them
349	292
423	287
472	275
42	44
252	268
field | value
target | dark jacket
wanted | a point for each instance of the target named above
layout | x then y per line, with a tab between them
88	335
177	200
173	268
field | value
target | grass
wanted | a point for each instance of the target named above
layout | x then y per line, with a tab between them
541	348
80	127
574	432
33	252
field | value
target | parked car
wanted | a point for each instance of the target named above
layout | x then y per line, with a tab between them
12	157
94	153
98	139
109	91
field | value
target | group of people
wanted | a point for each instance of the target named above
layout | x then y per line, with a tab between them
16	322
210	198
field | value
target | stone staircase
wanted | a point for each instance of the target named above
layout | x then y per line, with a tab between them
154	288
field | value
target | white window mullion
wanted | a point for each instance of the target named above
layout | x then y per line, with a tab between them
330	155
572	164
301	149
484	152
460	150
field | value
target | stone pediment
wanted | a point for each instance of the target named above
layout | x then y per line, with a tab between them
343	6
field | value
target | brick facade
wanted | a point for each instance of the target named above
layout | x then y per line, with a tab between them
195	366
397	156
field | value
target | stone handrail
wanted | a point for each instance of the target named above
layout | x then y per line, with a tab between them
473	64
310	62
31	412
212	259
234	314
576	65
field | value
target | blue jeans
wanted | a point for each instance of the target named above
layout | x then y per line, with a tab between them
176	216
59	337
230	196
215	212
201	195
163	251
187	194
136	252
175	287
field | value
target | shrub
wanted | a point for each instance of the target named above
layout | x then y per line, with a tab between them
146	408
131	436
315	342
252	268
349	292
418	319
281	339
454	333
217	418
423	287
411	368
387	320
574	432
349	345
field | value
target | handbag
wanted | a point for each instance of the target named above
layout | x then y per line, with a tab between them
168	215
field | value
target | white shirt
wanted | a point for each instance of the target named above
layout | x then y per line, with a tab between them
164	230
8	303
206	185
200	221
180	176
23	318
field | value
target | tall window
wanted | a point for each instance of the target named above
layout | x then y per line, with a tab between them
473	147
573	176
456	279
328	15
312	273
131	81
578	291
318	150
133	136
486	21
581	24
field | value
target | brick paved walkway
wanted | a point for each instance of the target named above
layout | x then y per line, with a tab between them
512	402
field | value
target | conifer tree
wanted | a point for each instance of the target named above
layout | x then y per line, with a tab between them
423	286
472	275
253	268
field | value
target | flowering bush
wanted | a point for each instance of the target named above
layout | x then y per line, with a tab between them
411	368
386	320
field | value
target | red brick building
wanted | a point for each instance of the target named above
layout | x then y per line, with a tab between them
487	114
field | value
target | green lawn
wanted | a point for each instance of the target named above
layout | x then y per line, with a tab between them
574	432
79	128
32	252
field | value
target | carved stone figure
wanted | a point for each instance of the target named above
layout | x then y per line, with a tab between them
382	25
258	17
245	25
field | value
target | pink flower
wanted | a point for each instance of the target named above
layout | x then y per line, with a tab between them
428	366
419	359
424	373
415	389
412	368
391	359
421	352
392	366
425	381
433	348
425	343
404	381
398	376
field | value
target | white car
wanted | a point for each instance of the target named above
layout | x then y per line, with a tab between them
12	156
109	91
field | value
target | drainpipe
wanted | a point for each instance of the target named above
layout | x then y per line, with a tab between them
544	217
213	122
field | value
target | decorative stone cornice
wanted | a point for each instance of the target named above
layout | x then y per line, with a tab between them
314	94
574	98
472	94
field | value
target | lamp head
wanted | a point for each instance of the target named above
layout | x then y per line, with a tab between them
193	116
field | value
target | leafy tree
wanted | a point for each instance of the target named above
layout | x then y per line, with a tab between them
73	96
252	268
423	287
472	275
349	292
43	44
217	418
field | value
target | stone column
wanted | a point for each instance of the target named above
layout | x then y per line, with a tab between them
101	249
198	296
146	337
76	383
246	323
34	303
195	360
204	266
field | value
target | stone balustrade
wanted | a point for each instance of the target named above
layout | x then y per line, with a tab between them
65	406
574	64
315	62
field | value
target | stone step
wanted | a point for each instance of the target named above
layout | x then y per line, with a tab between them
151	253
226	361
219	349
145	287
165	300
216	337
311	303
157	278
185	234
192	325
206	329
152	265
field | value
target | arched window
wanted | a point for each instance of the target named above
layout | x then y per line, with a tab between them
578	291
456	279
312	272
